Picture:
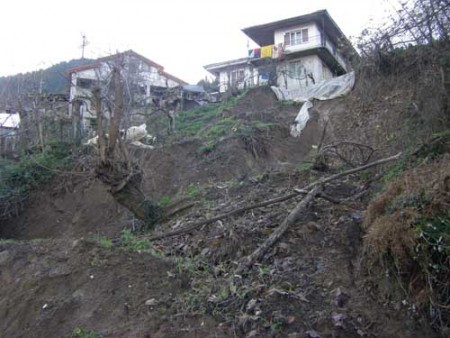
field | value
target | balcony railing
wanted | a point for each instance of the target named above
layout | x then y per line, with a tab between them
277	51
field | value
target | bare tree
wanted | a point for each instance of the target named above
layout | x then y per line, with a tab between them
115	168
418	22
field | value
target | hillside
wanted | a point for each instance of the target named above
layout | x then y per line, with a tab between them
76	263
52	80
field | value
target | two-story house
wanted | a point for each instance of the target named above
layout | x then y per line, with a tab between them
144	79
292	53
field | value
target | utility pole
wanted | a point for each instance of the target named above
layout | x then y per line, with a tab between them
84	43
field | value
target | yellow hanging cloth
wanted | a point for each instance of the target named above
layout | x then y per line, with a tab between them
266	51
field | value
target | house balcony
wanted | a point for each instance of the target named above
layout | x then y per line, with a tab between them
323	47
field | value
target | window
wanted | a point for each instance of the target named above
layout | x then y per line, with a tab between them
296	38
237	76
296	70
85	83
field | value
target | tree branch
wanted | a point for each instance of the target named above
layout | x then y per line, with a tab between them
257	255
228	214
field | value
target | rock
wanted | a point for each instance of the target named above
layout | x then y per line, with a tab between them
360	333
357	216
251	304
341	298
4	257
78	294
151	302
294	335
312	227
75	243
279	317
253	333
312	334
283	246
338	319
213	299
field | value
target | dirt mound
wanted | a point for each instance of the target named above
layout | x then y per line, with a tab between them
51	287
70	207
170	169
392	109
307	285
408	230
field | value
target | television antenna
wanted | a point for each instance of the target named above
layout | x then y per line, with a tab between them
84	43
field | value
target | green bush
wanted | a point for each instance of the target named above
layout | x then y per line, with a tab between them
79	332
18	178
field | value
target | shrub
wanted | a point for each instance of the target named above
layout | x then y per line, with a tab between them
17	179
408	234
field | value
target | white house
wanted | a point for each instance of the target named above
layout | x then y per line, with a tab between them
144	77
9	128
295	52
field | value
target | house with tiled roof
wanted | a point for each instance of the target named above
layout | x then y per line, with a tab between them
291	53
144	79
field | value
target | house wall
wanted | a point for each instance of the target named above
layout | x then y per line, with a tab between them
333	50
223	81
139	73
314	39
249	80
314	69
308	68
9	140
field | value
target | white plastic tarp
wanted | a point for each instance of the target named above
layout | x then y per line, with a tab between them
324	90
301	119
8	120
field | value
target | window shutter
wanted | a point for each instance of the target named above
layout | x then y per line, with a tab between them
305	35
286	39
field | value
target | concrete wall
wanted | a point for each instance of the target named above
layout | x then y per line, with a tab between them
250	78
136	71
314	39
310	69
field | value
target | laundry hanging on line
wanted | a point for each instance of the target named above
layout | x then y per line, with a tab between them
266	51
254	53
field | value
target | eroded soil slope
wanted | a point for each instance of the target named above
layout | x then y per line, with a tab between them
69	263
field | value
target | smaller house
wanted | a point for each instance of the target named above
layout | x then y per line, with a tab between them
292	53
9	131
145	79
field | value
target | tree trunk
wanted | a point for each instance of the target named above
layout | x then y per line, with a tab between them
132	198
24	129
115	168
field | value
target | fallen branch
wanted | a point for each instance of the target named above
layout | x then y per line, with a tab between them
349	172
275	200
228	214
169	214
315	190
248	261
351	153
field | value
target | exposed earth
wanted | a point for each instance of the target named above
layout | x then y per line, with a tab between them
75	262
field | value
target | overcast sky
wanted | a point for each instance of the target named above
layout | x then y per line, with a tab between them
181	35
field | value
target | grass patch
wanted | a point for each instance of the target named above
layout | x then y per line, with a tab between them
106	243
165	201
191	122
131	242
192	190
17	179
80	332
